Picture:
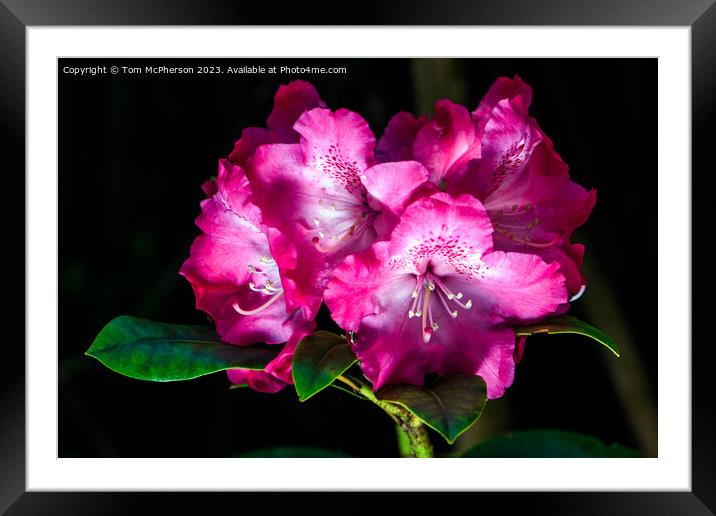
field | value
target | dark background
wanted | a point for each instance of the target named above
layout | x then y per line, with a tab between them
134	150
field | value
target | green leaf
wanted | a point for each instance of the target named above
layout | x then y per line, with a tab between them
292	452
450	405
161	352
547	444
569	324
318	360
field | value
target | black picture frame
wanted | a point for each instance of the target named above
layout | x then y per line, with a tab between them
17	15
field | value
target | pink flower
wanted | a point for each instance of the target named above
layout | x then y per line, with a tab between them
326	199
234	277
437	298
523	182
289	103
500	155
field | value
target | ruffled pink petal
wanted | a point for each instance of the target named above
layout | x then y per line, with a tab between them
251	139
549	238
234	195
257	380
515	90
277	373
479	350
289	103
507	144
396	144
447	143
442	226
391	188
511	287
339	145
351	293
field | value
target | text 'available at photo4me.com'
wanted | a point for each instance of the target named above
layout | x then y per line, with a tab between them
201	70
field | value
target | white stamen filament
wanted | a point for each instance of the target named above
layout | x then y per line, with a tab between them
261	308
453	313
414	296
419	302
578	294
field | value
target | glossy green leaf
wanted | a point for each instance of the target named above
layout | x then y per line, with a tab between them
292	452
161	352
547	444
450	405
318	360
569	324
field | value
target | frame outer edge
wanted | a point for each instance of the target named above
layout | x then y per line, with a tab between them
703	119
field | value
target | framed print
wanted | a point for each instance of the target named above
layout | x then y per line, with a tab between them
241	208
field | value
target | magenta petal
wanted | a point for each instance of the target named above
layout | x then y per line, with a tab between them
277	373
251	138
569	263
434	226
446	143
350	295
520	348
289	103
340	145
280	367
258	380
513	287
396	144
209	187
515	90
507	144
389	344
391	187
485	352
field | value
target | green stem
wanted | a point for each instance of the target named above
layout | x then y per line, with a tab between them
404	446
411	426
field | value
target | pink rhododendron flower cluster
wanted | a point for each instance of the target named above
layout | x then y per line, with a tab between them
430	244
